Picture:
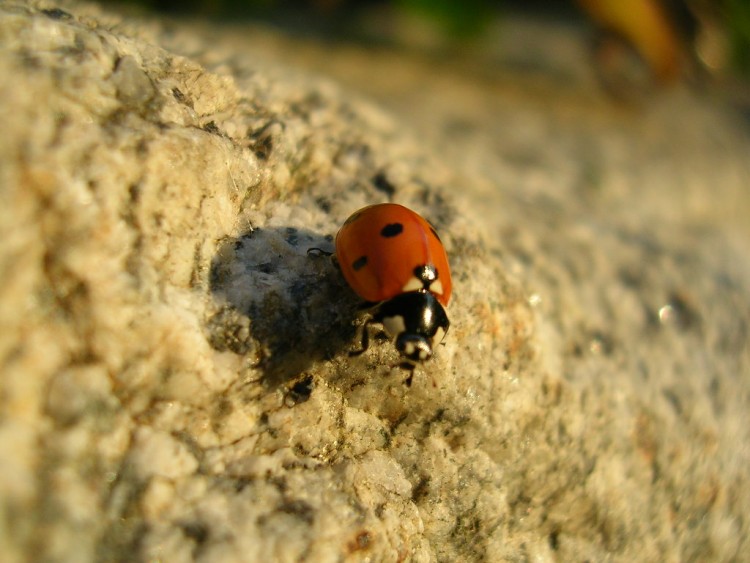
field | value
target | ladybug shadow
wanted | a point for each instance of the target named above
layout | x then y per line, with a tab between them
282	303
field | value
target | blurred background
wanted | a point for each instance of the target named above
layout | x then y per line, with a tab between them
634	45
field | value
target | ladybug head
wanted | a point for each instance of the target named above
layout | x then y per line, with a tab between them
416	320
414	347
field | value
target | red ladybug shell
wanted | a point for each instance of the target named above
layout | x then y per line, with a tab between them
382	249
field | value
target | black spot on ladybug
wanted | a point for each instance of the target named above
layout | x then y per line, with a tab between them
359	263
426	273
392	230
353	218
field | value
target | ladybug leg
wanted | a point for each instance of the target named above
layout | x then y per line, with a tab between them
409	367
442	340
316	252
365	339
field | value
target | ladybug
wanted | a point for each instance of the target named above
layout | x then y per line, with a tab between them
393	259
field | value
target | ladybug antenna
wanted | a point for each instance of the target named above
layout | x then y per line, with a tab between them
315	251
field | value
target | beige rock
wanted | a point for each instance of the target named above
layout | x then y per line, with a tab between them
174	376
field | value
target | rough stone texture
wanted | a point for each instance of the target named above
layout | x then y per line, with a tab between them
174	369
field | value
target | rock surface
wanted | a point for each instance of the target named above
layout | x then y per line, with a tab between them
174	368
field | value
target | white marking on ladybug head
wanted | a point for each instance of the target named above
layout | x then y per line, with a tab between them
394	325
436	287
413	347
414	284
439	335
